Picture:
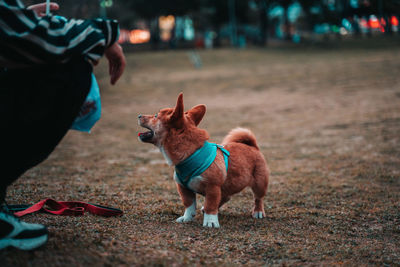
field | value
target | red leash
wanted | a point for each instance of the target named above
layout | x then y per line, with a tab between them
74	208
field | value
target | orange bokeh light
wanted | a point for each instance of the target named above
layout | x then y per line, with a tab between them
139	36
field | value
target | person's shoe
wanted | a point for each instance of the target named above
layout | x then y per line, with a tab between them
25	236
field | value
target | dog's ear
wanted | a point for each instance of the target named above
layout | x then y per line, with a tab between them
197	113
177	115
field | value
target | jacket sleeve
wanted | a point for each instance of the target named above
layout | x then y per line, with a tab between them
26	39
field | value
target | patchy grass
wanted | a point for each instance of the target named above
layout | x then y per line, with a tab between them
328	122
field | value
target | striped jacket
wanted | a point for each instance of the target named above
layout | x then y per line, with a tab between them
26	39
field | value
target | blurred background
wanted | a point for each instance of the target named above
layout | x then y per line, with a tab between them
160	24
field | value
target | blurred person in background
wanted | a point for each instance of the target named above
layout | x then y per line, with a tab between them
45	75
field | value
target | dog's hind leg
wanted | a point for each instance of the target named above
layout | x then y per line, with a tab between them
259	188
189	201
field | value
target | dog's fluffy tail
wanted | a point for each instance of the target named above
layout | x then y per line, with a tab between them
241	135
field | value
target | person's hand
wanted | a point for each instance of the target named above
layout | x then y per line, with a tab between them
116	62
40	9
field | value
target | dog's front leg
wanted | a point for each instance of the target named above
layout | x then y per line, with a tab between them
189	201
213	198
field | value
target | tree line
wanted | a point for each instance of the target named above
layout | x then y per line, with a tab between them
214	14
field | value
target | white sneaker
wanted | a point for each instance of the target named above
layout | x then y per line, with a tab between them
25	236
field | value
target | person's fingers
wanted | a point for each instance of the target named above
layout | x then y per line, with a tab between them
40	9
116	62
118	70
115	74
111	68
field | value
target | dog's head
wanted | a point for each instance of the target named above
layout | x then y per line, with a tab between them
171	125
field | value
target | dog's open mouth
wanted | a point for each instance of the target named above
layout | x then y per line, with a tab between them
146	136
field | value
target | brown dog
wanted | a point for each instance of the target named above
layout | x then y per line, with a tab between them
216	172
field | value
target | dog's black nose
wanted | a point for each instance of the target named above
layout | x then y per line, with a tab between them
140	115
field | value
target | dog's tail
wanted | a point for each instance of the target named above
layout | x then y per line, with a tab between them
241	135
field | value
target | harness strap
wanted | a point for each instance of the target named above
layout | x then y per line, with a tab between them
226	156
74	208
199	161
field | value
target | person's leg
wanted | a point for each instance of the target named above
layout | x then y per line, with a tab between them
37	108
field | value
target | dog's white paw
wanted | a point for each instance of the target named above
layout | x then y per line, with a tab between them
189	214
184	219
210	220
258	215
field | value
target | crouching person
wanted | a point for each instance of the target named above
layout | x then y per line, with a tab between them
45	75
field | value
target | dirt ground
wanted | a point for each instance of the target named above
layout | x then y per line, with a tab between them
326	119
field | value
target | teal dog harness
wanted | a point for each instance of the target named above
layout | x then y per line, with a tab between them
198	162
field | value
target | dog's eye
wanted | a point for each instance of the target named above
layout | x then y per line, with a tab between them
155	116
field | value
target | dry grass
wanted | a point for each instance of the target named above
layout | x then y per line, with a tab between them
328	121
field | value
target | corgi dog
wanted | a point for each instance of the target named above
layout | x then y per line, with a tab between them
214	171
